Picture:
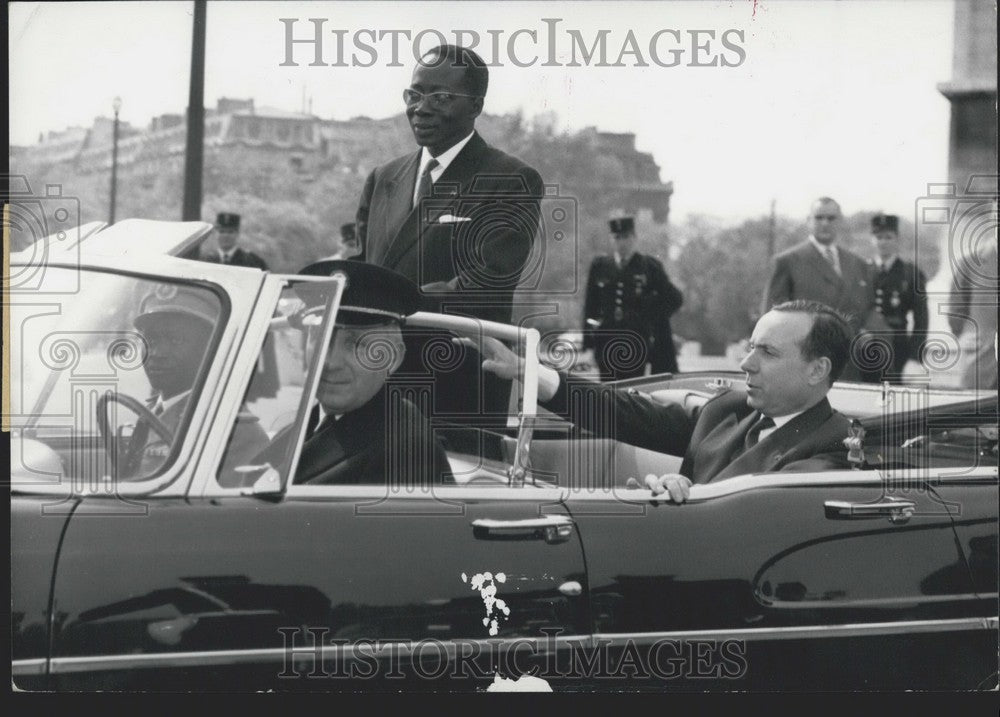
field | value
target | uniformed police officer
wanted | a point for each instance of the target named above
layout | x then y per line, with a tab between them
899	292
627	309
227	236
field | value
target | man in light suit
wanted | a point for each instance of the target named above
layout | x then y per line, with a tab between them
781	422
819	270
457	217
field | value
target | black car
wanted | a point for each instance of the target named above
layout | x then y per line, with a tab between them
539	556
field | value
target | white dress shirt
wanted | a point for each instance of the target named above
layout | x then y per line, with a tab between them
443	159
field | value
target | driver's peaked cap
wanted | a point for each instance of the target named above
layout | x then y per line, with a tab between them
373	294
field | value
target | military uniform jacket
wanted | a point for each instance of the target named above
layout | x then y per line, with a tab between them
636	296
240	257
899	291
711	439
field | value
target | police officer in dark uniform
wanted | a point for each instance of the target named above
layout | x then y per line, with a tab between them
227	229
627	309
899	292
227	235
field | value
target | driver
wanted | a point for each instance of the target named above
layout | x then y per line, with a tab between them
782	421
176	322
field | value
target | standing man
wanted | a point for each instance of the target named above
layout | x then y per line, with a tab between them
227	236
457	217
626	313
899	292
819	270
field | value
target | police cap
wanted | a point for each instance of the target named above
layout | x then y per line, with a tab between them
373	295
885	223
622	226
178	300
227	220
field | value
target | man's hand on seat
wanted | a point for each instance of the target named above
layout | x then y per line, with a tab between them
677	486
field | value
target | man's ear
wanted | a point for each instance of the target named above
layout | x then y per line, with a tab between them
477	106
819	370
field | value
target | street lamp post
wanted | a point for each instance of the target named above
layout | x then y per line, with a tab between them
116	105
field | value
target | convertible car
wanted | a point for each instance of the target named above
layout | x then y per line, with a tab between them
196	566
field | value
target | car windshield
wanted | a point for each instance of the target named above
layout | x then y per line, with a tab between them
104	370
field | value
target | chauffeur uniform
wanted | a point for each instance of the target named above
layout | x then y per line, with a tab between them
627	313
387	438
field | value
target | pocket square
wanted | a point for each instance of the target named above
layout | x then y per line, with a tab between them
452	219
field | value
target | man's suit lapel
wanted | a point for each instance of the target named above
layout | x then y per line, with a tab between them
769	453
398	197
717	448
460	174
320	451
824	268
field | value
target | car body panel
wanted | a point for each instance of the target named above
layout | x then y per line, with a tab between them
772	581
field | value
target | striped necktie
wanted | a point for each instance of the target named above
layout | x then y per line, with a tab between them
832	258
424	187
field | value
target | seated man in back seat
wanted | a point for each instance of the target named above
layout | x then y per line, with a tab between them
783	421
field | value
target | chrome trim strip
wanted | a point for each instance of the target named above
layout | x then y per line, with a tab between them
66	665
33	666
909	627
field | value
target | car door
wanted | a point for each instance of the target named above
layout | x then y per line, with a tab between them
277	586
837	580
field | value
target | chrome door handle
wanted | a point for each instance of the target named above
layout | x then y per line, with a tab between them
550	528
895	509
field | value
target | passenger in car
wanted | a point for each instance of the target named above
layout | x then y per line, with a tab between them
370	431
782	422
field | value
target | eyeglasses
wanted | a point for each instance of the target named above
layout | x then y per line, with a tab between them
437	100
828	217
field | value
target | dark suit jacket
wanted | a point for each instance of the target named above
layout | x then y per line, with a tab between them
241	257
711	440
366	447
802	273
478	260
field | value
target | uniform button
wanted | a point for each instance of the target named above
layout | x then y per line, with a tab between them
618	301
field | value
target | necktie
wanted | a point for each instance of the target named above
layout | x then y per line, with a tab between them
753	435
832	258
424	187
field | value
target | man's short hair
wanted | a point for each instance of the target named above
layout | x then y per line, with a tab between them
477	75
828	200
830	335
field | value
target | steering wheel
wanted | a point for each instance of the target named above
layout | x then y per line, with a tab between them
145	422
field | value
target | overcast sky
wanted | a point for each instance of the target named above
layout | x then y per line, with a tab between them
819	97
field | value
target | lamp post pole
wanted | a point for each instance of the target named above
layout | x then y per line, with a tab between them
117	105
